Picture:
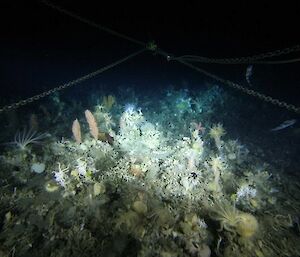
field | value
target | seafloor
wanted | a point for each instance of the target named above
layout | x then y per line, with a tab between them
168	173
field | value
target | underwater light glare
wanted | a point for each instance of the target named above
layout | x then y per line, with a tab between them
129	107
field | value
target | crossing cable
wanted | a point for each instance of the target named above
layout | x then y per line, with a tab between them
91	23
150	45
245	90
153	47
68	84
255	59
241	60
233	85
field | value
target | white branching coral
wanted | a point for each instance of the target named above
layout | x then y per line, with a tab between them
245	192
138	138
81	167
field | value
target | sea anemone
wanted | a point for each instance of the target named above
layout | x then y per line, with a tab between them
26	137
233	220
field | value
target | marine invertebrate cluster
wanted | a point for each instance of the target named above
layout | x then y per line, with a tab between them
94	128
137	137
158	189
233	220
